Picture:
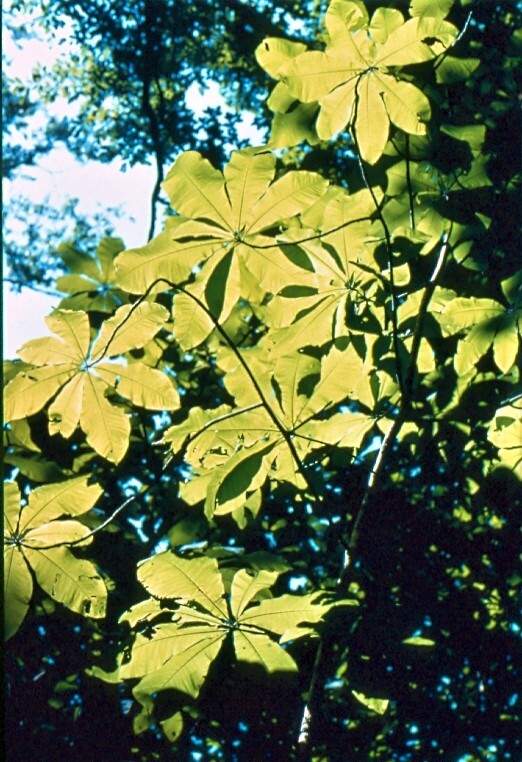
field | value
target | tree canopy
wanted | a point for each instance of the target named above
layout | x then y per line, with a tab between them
262	490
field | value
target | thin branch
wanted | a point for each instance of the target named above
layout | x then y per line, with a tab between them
419	324
97	529
372	484
454	42
23	284
287	435
314	237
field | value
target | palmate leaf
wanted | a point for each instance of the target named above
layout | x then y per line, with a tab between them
91	282
178	654
233	451
344	268
491	325
355	79
30	530
169	576
68	373
227	221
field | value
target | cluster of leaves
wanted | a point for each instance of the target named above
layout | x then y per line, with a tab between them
303	382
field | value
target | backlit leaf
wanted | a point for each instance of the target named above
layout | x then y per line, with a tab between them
141	385
259	649
73	497
169	576
245	586
287	616
106	427
69	580
185	671
18	589
129	328
377	705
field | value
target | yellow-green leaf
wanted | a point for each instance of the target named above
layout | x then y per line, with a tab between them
55	532
106	426
196	189
371	122
377	705
18	589
69	580
287	615
131	327
166	575
247	175
418	641
12	499
407	107
64	413
141	385
73	497
163	257
288	196
185	671
273	52
28	392
246	585
73	328
259	649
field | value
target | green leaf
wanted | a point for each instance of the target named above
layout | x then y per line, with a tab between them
453	69
18	589
28	392
69	580
169	576
245	587
436	8
129	328
12	500
73	328
185	671
407	107
248	175
505	432
244	472
287	615
273	52
379	706
141	385
463	312
341	371
371	122
288	196
55	532
259	649
196	189
65	412
173	726
418	641
419	39
107	428
163	257
384	22
73	497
